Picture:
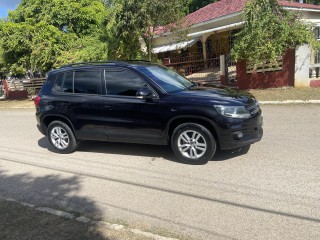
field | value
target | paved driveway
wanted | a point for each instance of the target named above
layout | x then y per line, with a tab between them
272	192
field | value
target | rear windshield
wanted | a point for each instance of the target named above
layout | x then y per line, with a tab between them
169	80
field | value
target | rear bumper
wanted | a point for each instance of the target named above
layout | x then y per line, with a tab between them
39	125
40	129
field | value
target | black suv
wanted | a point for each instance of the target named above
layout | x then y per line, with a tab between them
141	102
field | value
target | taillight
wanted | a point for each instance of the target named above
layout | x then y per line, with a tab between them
37	101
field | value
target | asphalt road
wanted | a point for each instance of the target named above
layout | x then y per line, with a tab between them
272	192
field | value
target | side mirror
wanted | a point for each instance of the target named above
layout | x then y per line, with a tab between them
144	92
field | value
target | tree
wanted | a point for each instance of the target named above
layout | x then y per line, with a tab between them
195	5
81	17
133	19
269	31
42	34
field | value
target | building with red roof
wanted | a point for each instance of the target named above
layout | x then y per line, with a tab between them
211	31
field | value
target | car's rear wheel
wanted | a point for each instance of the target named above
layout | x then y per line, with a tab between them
193	143
61	137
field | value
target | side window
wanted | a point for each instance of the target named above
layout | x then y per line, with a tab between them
123	82
87	81
64	82
68	82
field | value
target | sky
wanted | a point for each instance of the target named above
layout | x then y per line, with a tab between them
6	5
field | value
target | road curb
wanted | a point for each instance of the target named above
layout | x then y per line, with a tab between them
83	219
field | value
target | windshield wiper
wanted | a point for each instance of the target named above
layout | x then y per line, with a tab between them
192	86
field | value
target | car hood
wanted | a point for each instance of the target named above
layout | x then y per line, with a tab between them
217	95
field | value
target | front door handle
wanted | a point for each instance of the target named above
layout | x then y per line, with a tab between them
109	107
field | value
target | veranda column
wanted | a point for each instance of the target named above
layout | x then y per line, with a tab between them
203	40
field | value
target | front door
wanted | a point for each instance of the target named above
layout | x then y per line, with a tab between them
128	117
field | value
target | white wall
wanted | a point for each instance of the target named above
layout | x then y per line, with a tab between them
302	66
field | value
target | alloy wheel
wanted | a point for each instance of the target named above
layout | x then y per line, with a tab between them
192	144
60	138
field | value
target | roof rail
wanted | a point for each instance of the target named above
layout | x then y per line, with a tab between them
135	60
123	62
92	63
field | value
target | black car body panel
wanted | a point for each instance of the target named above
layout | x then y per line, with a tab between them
147	120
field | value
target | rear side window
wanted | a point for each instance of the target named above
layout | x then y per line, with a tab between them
123	82
87	82
68	82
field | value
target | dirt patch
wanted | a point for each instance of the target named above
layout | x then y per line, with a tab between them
7	104
283	94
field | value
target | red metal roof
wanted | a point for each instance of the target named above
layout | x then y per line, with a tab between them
215	10
227	7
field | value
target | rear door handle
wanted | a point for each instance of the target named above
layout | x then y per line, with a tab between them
65	104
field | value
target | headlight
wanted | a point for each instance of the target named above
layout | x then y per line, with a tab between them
233	111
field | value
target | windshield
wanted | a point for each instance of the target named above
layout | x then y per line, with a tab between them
169	80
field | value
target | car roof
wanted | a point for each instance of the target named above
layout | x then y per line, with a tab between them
88	65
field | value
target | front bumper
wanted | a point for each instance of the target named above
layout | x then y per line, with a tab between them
251	130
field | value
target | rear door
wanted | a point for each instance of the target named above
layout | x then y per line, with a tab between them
80	99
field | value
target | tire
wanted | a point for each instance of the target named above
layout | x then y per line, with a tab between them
61	138
193	143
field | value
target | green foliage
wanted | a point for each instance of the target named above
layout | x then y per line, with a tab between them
195	5
130	19
123	29
82	17
83	50
42	34
269	30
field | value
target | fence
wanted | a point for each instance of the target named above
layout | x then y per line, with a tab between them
32	86
314	71
17	89
195	68
265	67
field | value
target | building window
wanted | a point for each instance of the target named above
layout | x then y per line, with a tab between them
309	2
317	36
317	57
199	47
317	32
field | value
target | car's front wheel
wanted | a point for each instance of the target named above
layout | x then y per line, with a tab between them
61	137
193	143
